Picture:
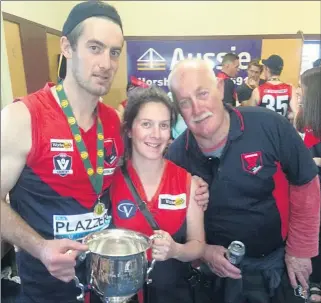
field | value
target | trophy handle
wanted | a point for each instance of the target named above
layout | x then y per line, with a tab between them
81	297
152	264
149	270
81	255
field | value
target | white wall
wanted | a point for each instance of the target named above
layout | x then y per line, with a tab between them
178	18
6	90
49	13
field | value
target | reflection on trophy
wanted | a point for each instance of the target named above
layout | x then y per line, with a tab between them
117	265
102	270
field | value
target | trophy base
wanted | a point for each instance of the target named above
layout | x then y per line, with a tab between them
117	299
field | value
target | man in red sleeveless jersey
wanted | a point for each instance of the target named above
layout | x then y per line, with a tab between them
274	94
59	158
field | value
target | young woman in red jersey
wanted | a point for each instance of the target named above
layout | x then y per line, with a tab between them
168	192
311	119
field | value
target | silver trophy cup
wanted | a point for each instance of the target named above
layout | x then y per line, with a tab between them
117	266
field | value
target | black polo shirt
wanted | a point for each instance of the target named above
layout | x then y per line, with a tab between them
244	92
248	183
229	89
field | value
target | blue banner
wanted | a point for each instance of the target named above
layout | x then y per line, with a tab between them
152	61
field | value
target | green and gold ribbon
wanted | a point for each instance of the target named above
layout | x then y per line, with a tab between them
95	175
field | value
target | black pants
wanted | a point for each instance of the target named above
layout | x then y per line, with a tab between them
179	293
316	265
254	291
22	298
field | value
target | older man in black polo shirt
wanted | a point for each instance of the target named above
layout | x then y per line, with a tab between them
264	189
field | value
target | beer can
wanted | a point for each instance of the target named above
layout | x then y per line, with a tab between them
235	252
301	292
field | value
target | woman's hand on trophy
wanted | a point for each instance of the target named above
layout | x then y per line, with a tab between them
164	247
59	257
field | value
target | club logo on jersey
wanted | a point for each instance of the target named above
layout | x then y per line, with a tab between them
126	209
252	162
63	145
110	151
172	202
62	165
110	156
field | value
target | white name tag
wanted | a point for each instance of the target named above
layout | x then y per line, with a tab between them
76	227
172	202
63	145
108	171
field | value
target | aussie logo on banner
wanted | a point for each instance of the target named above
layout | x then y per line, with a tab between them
152	61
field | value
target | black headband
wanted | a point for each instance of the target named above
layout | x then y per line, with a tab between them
88	9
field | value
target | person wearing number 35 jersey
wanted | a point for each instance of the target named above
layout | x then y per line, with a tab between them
275	94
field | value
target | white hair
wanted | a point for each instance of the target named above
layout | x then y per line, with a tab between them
190	63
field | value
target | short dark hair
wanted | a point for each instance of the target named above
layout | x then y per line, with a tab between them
256	62
136	99
310	81
274	71
230	57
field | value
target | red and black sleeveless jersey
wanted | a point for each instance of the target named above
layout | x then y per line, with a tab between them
54	194
168	207
276	97
314	145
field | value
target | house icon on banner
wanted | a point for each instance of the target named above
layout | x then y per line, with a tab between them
151	60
